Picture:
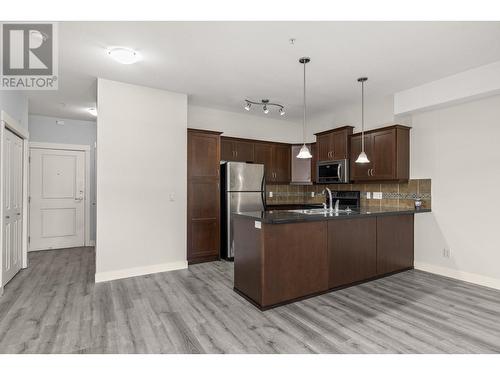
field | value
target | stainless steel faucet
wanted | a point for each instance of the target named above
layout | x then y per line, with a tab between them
331	200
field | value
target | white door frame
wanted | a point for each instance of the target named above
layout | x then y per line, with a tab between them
69	147
7	122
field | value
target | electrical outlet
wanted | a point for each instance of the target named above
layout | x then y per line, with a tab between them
312	194
377	195
446	252
368	195
270	194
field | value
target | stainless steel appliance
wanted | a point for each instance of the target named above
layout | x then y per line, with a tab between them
243	189
332	171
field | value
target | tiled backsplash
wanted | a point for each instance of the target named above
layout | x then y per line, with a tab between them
396	194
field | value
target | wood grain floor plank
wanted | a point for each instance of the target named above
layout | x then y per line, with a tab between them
55	307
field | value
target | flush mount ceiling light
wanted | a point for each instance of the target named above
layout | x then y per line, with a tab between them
92	111
362	158
304	152
124	55
265	106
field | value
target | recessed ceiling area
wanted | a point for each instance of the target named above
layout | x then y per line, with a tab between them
220	64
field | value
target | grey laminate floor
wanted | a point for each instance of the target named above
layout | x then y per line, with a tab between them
54	307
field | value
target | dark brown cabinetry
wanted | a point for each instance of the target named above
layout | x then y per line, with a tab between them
352	250
388	150
276	160
277	263
394	243
333	144
281	163
236	150
203	216
314	161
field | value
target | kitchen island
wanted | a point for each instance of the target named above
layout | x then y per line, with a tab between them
284	256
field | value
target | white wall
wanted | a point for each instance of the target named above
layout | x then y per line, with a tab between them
457	147
244	125
15	103
45	129
141	162
378	112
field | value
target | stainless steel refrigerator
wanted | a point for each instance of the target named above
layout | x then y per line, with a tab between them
243	189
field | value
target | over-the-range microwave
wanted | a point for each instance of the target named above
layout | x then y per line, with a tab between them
332	171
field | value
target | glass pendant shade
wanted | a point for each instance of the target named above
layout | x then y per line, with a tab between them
304	153
362	158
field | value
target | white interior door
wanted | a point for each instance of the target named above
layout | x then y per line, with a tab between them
13	202
57	193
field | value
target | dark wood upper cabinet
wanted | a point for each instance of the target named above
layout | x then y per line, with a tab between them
314	161
237	150
360	172
264	155
352	250
394	243
276	160
333	144
203	195
388	150
227	150
281	163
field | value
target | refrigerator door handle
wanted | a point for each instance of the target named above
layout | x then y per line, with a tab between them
263	191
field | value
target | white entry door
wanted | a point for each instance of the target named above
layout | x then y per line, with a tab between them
13	201
57	193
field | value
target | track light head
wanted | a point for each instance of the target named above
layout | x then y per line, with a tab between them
282	112
266	110
247	106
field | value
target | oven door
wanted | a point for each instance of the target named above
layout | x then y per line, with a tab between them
331	172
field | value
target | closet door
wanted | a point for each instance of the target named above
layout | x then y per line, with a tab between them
12	205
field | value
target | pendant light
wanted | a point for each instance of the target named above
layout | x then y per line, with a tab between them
362	158
304	152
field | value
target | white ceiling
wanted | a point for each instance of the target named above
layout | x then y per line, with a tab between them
218	64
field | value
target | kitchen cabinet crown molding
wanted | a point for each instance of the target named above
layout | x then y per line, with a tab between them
204	131
389	127
341	128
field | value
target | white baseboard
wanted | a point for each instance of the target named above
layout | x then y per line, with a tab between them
473	278
139	271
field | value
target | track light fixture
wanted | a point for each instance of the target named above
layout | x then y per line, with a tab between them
265	106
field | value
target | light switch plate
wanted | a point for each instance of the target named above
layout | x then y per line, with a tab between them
368	195
258	224
377	195
312	194
270	194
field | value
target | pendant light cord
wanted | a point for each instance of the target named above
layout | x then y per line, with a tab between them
304	119
363	116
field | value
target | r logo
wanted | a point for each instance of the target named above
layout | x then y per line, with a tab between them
27	49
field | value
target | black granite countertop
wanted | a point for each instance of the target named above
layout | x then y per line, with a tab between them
293	216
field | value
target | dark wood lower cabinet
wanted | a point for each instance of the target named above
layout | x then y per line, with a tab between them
280	263
289	271
394	243
352	250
